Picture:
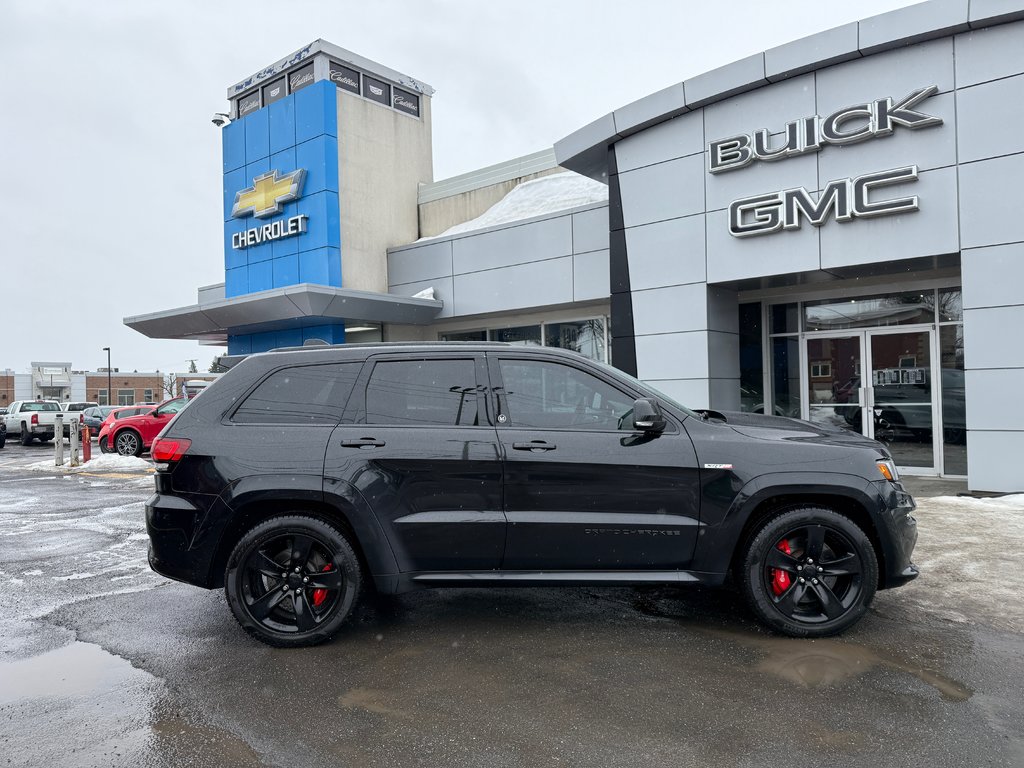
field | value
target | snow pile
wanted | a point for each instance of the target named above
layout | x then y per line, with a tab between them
971	555
547	194
104	462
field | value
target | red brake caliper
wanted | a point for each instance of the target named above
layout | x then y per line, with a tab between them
319	595
780	578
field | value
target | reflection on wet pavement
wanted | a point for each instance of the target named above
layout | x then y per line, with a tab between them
810	663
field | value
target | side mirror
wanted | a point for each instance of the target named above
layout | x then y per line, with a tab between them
647	416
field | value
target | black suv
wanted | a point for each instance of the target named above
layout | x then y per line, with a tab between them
301	476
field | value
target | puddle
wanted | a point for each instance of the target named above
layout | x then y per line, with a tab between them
72	670
370	701
825	662
817	663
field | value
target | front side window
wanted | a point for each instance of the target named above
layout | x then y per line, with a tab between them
550	395
308	394
423	392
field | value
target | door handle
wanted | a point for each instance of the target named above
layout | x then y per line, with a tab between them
363	442
535	445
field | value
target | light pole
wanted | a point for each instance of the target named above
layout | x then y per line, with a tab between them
107	350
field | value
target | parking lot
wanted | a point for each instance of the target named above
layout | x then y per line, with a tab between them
104	663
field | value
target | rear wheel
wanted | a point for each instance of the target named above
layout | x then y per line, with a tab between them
293	581
809	572
26	436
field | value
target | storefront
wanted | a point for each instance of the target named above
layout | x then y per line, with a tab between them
827	230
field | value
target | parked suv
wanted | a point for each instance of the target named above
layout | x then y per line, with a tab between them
301	477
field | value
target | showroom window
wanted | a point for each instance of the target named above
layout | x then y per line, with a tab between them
941	308
589	337
126	397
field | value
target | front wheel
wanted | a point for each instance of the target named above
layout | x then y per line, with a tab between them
809	572
293	581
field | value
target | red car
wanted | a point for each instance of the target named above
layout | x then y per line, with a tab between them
132	435
107	425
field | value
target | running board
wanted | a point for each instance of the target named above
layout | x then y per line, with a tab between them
564	577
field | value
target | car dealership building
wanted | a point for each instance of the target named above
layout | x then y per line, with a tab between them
827	230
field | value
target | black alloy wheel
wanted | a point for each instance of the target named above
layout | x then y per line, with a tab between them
293	581
128	443
810	572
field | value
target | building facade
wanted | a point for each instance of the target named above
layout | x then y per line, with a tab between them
59	381
823	230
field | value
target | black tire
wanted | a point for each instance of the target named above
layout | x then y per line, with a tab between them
26	436
127	442
818	595
307	605
3	438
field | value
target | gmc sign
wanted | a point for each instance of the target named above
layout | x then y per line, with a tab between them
846	199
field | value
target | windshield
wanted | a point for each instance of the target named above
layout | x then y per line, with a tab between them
644	385
40	407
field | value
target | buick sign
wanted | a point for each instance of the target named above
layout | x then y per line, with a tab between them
849	125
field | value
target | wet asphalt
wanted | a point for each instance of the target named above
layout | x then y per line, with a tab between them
104	664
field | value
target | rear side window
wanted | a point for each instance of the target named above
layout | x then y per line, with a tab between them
308	394
423	392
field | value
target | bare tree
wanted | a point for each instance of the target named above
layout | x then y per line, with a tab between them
168	384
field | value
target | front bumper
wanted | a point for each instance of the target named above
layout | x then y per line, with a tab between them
897	513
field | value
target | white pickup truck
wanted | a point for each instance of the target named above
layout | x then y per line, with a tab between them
31	419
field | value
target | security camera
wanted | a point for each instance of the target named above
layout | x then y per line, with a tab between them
220	119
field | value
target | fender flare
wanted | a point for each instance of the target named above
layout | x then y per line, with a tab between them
720	539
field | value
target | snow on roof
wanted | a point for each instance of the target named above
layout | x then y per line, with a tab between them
536	197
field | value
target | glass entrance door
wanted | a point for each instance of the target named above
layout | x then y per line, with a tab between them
835	395
902	395
894	402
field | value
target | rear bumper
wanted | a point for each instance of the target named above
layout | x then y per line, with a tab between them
171	523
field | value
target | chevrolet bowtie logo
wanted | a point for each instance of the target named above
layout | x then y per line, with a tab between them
268	194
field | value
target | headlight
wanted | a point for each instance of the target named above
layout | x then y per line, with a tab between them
887	468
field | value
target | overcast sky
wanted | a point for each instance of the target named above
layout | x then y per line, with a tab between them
112	168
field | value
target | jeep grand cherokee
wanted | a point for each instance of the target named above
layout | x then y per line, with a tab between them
301	477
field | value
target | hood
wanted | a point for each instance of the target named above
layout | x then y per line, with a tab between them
763	427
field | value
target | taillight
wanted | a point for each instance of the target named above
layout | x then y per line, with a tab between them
81	418
35	418
169	448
